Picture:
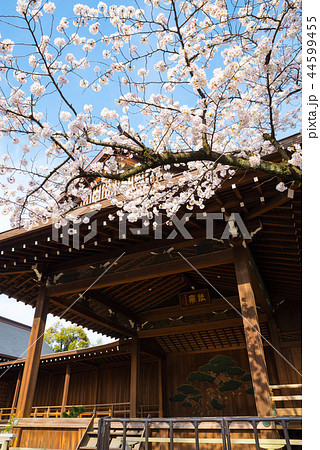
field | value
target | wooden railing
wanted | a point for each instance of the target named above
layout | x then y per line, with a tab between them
290	397
98	193
148	410
99	410
5	413
101	191
228	432
106	409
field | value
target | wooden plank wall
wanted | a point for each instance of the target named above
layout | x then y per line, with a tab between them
61	434
114	384
179	366
293	354
64	439
6	393
110	384
49	390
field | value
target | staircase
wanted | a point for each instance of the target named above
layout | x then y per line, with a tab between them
90	437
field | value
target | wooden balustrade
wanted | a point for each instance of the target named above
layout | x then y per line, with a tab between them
5	413
99	410
102	191
291	402
148	410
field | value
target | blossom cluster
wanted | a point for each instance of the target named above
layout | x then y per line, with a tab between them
171	77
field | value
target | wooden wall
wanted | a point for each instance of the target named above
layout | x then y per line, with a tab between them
49	389
294	355
179	366
114	384
109	384
6	393
49	433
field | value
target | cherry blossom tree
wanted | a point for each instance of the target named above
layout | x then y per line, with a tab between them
189	91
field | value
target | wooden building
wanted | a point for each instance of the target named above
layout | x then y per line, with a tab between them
14	339
204	326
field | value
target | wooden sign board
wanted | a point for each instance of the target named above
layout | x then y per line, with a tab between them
195	298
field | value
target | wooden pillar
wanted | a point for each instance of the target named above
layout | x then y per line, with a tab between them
65	387
254	343
160	384
264	300
31	367
134	379
276	342
16	392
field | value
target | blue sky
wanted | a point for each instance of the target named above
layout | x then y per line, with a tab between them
9	307
18	311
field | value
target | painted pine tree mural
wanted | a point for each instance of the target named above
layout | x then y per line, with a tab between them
213	386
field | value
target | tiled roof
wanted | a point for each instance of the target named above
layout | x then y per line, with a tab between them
14	340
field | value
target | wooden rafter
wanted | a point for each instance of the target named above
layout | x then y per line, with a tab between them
91	315
154	271
274	202
141	250
105	301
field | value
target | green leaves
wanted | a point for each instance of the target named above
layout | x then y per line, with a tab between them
62	338
75	411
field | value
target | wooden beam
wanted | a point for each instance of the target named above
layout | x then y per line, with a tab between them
65	388
134	378
264	300
274	202
89	314
189	282
101	299
215	349
177	311
31	367
16	392
152	348
118	347
157	270
169	331
139	250
254	343
258	283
